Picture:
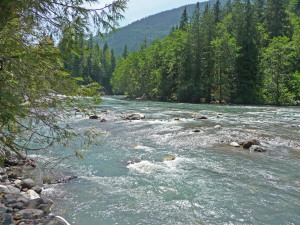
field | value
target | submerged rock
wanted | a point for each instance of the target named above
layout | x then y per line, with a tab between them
169	158
234	144
202	118
134	116
197	131
247	144
256	148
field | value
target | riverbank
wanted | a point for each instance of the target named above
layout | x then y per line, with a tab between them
21	197
203	101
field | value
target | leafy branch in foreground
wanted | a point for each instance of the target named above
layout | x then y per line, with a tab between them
36	95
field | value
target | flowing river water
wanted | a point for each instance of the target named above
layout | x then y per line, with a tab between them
124	180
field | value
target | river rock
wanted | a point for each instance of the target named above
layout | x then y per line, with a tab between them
37	189
103	120
32	194
247	144
218	127
4	189
2	171
28	183
24	199
43	204
134	116
29	214
12	158
169	158
7	219
18	184
12	175
9	189
256	148
197	131
94	117
234	144
202	118
56	220
18	205
177	119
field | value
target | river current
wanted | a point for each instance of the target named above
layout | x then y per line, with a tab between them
124	180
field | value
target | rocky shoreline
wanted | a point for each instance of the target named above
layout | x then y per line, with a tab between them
21	198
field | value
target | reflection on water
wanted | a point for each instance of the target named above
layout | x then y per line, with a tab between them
124	180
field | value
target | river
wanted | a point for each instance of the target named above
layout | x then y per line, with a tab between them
124	180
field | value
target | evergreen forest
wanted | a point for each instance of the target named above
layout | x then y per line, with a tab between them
245	52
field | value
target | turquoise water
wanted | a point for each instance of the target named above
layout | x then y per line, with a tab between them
124	180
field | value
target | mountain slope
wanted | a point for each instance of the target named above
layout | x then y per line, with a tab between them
152	27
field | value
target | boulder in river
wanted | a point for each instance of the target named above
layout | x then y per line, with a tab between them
94	117
247	144
177	119
134	116
169	158
256	148
218	127
197	131
234	144
202	118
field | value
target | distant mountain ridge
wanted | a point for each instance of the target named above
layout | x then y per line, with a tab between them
151	27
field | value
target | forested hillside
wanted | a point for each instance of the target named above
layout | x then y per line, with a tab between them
244	52
152	27
89	62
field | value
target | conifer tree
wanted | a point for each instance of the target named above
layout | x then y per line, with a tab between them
125	52
276	18
184	20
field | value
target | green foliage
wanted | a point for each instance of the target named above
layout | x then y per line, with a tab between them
278	71
37	94
225	54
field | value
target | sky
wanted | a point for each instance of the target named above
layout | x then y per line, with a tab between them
138	9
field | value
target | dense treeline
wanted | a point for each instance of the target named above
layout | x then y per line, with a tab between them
244	52
89	62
